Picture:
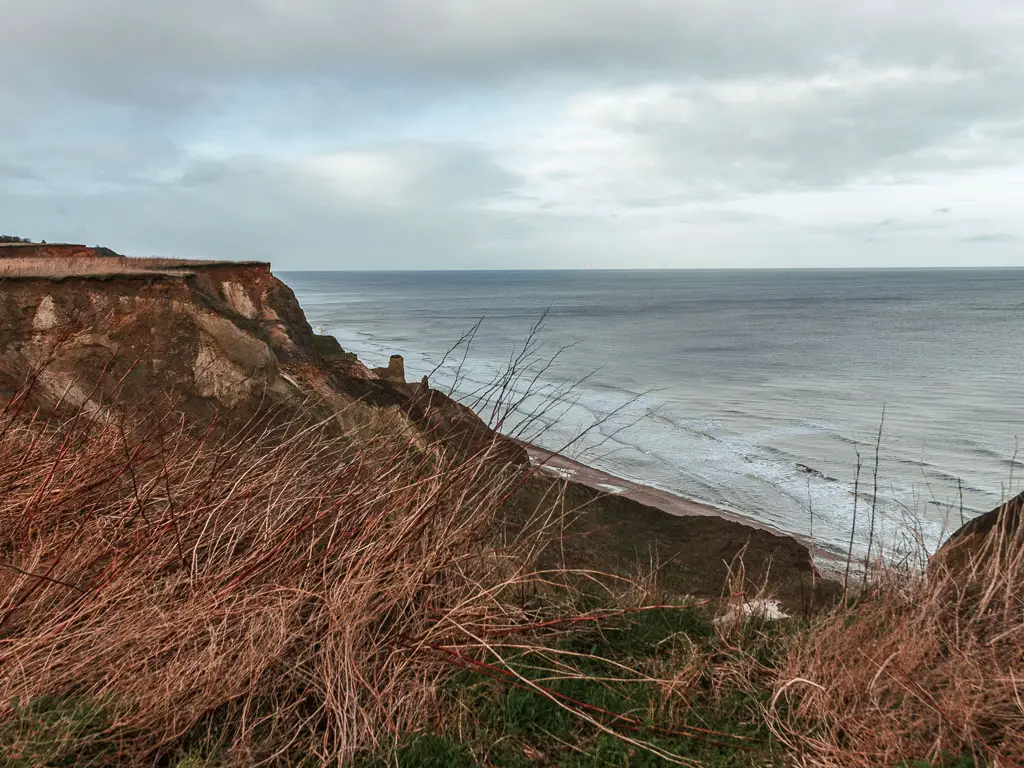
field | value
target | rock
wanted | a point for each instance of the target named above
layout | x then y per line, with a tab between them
395	372
221	341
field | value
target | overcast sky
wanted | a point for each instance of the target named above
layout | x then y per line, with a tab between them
436	134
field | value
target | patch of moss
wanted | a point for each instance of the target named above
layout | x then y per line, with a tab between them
54	731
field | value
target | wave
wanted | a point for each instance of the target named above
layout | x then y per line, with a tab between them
734	460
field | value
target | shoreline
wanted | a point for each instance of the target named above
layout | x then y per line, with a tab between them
556	465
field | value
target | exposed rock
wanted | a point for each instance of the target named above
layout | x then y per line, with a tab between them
395	372
45	318
238	299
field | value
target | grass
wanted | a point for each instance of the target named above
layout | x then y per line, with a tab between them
283	592
56	732
922	665
286	575
69	266
527	709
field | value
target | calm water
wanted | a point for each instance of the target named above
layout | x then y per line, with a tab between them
720	384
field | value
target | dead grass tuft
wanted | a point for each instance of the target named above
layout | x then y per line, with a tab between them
284	580
924	666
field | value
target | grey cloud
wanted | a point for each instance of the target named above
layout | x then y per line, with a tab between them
142	47
252	208
13	171
829	136
905	225
459	174
113	106
993	238
192	59
893	228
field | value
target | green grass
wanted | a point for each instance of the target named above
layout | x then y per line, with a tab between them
500	721
55	732
433	751
64	732
493	718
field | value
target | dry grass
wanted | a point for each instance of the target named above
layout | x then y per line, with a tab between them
299	594
922	666
291	592
282	579
92	265
279	591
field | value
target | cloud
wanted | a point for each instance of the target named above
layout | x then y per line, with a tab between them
998	237
193	38
515	132
745	136
286	212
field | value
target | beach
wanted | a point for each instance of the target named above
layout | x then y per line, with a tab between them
752	392
562	467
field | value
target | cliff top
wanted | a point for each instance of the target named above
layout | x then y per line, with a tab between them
62	260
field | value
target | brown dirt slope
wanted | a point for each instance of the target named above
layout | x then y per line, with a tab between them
979	539
208	338
698	555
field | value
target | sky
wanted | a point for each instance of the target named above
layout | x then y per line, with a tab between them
518	134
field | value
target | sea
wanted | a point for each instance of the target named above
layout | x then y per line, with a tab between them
759	392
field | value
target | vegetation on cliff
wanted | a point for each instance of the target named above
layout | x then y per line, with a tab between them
224	541
281	593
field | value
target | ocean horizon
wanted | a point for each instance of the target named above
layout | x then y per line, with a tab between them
751	390
884	270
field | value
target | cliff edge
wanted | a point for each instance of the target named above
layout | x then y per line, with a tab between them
86	330
93	331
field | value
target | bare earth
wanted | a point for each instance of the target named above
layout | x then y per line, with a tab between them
557	465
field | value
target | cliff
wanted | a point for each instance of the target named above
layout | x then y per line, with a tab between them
242	584
96	332
84	330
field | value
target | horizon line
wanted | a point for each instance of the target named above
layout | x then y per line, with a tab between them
676	269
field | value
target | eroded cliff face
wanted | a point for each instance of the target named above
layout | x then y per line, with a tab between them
204	338
84	331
